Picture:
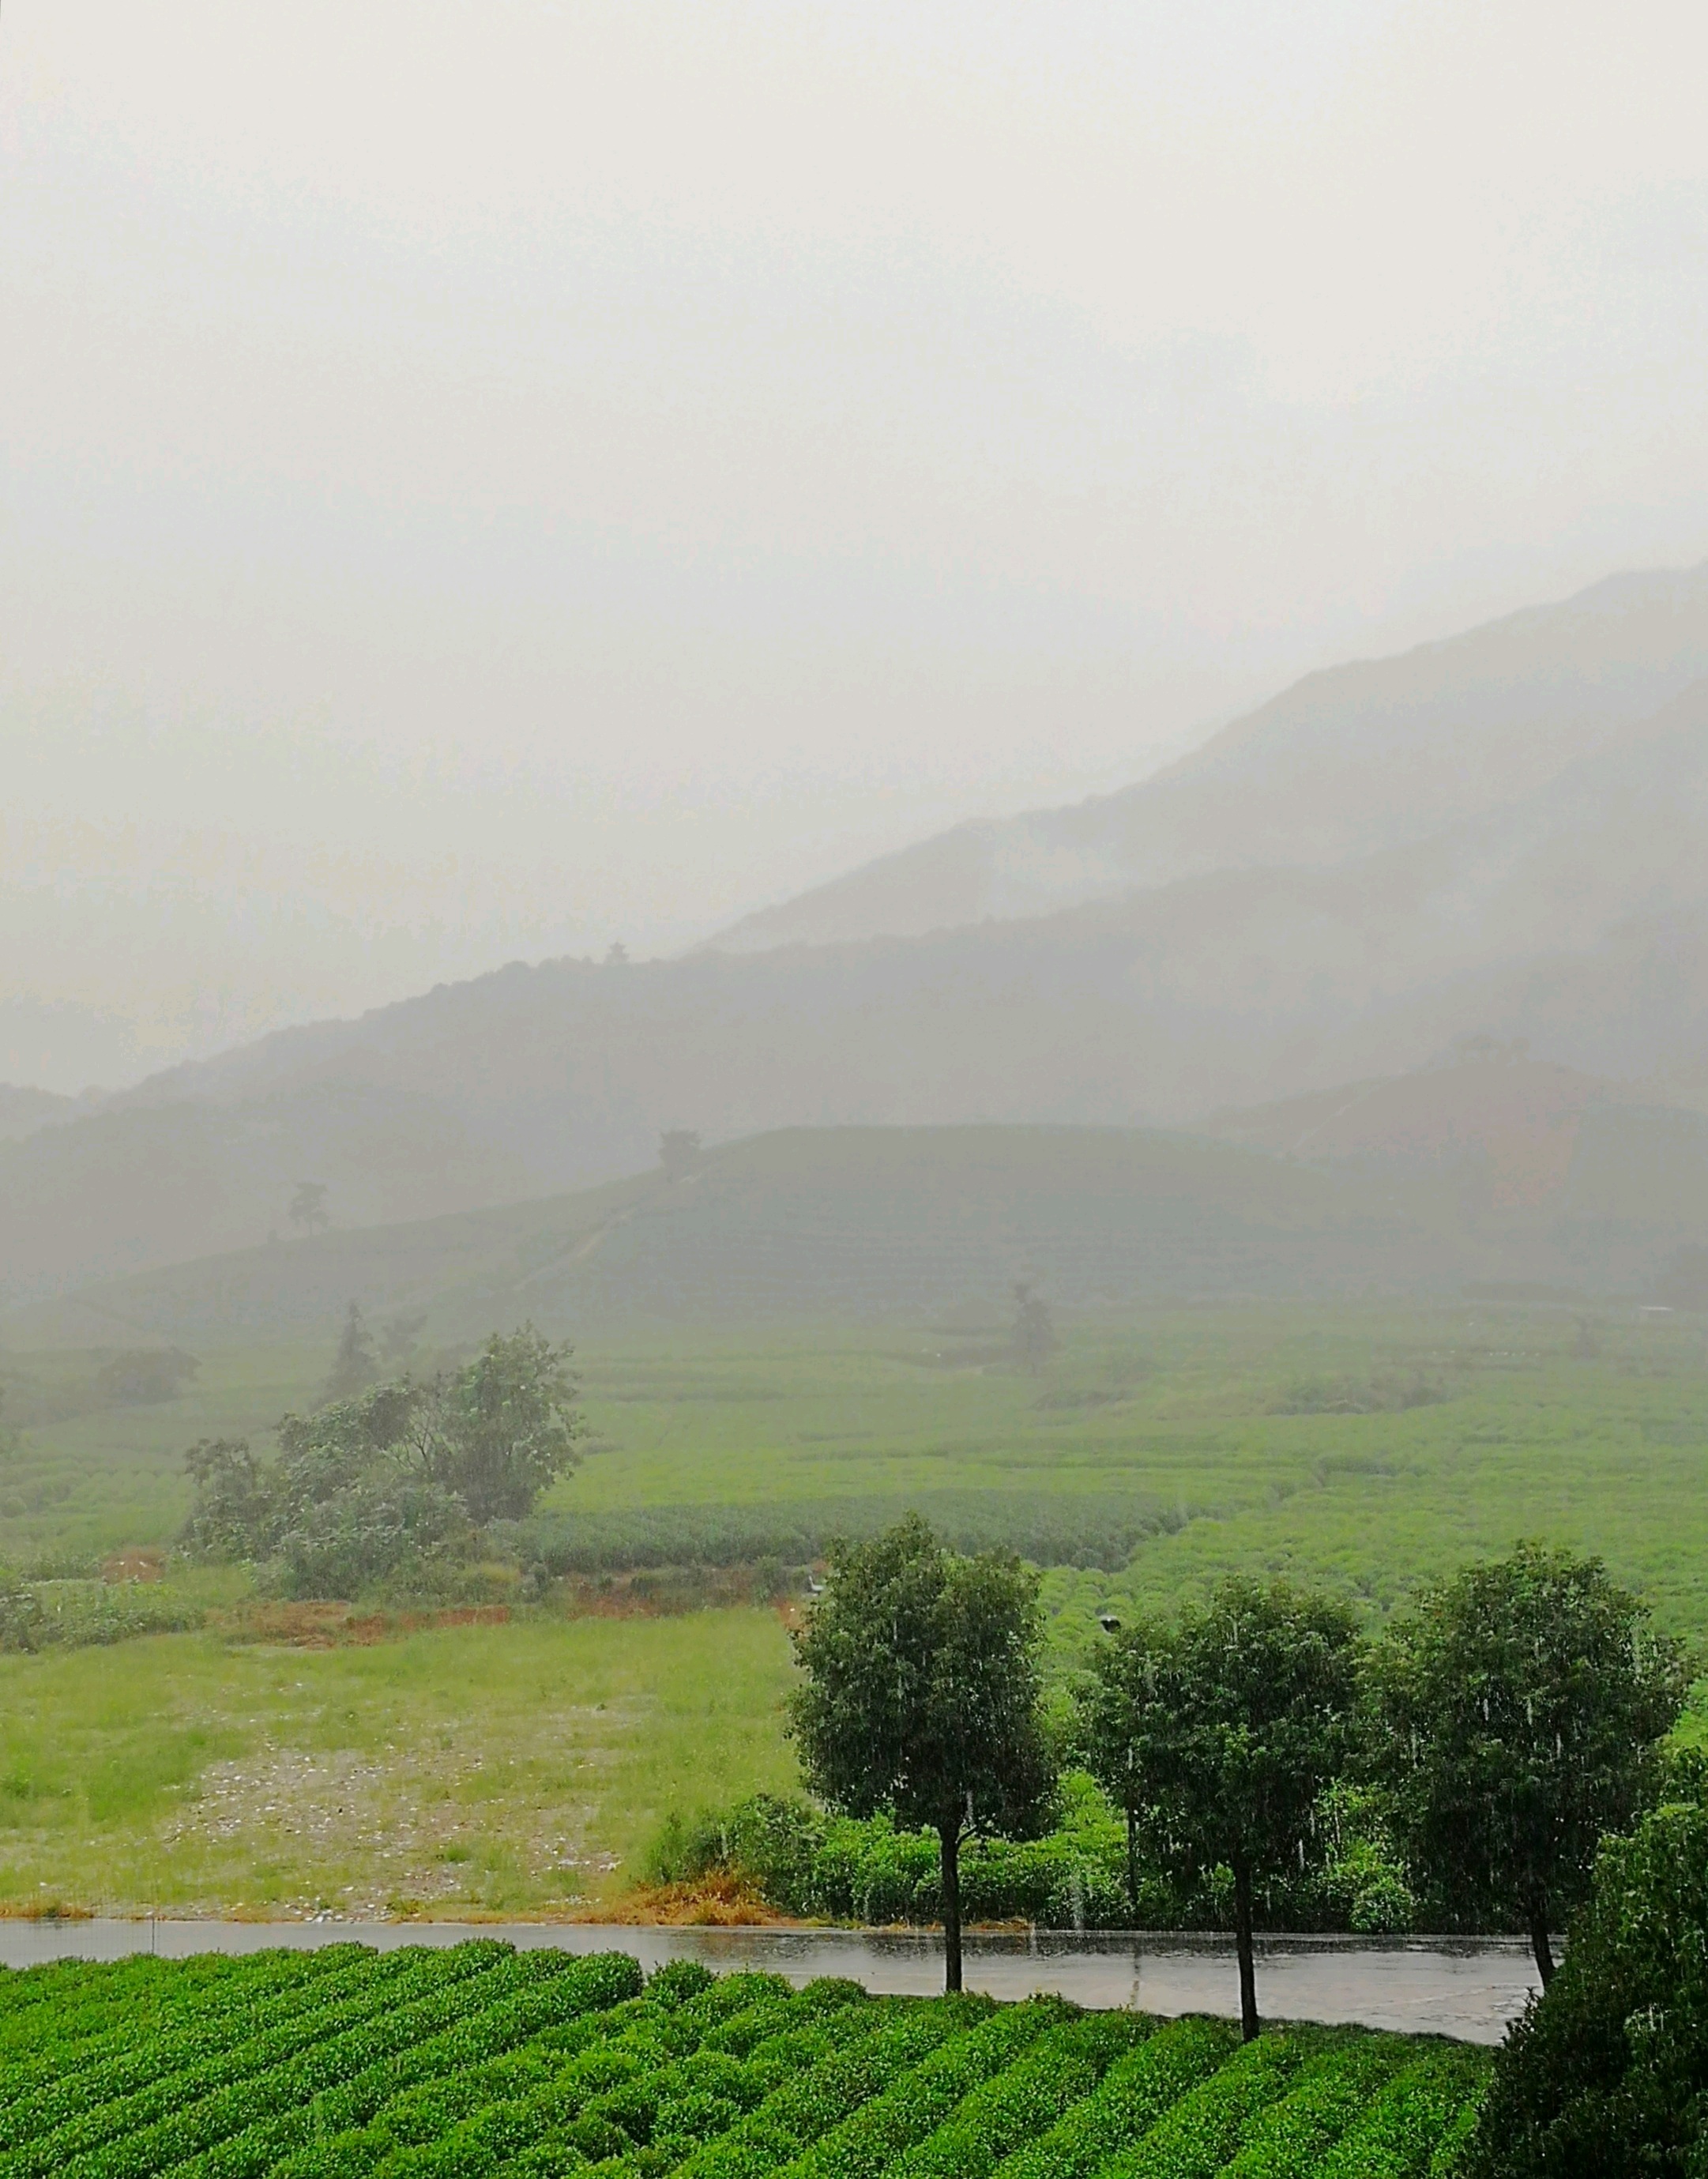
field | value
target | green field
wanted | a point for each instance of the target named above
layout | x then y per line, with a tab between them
466	1769
477	2059
1535	1421
503	1769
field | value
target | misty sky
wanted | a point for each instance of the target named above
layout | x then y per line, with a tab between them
484	479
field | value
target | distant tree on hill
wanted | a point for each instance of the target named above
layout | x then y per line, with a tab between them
1034	1336
355	1366
308	1207
146	1377
678	1152
398	1337
1219	1731
922	1698
1521	1707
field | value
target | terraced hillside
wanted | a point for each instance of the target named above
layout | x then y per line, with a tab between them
818	1223
475	2059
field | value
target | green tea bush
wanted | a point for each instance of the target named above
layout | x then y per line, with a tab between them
476	2061
865	2144
1402	2133
1607	2072
1332	2092
1195	2136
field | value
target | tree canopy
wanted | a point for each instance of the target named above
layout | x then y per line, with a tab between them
1606	2074
921	1697
393	1483
1518	1709
1219	1730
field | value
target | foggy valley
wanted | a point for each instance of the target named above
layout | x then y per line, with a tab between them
854	1092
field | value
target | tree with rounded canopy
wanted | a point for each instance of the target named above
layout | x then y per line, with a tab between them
505	1426
1219	1730
921	1698
1519	1708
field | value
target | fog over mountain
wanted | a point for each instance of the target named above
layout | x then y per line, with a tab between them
1494	838
1363	756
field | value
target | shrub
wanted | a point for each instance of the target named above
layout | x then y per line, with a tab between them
1607	2072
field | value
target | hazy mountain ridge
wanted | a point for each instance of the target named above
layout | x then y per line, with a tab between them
22	1111
1347	761
1574	915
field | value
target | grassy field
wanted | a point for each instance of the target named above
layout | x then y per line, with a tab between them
1482	1424
475	2059
529	1766
486	1768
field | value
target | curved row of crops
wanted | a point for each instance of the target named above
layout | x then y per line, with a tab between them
476	2060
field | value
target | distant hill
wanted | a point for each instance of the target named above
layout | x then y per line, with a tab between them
807	1222
1571	917
1357	757
855	1222
23	1112
1514	1120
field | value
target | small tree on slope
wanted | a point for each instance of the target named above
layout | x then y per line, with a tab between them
921	1698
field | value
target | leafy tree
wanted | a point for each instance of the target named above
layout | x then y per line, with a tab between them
390	1526
1219	1731
921	1697
1520	1708
1034	1336
678	1152
231	1514
308	1207
146	1377
355	1365
504	1427
1606	2074
391	1485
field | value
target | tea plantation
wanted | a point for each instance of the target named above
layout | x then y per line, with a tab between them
477	2059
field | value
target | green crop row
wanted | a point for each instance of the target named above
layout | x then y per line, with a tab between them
865	2145
1025	2099
88	2112
1133	2097
475	2061
592	1999
1412	2129
94	2018
124	2064
1195	2136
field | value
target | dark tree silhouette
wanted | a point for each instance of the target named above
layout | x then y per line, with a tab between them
308	1207
678	1152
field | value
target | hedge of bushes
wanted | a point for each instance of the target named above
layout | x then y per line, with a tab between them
840	1869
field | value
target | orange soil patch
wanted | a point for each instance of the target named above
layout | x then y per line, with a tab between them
335	1626
135	1562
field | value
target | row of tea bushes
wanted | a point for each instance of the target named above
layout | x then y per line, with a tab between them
476	2059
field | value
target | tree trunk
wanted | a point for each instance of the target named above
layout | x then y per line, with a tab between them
1540	1942
949	1840
1133	1868
1249	2022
